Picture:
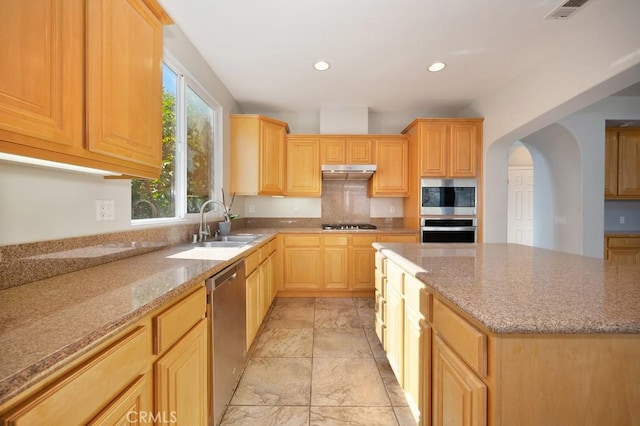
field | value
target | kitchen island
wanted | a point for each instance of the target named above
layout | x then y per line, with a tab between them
506	334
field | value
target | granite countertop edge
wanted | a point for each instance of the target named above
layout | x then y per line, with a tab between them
20	380
23	378
505	322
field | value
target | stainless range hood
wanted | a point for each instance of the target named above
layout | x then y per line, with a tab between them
347	171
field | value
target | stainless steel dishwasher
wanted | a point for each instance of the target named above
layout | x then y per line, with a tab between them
226	309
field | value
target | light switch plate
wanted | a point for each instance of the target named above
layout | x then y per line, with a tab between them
105	210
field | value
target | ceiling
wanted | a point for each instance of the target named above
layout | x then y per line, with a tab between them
379	50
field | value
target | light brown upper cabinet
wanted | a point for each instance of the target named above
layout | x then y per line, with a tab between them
60	51
448	147
347	150
304	178
622	163
391	178
258	155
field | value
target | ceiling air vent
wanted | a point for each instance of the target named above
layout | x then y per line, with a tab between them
566	9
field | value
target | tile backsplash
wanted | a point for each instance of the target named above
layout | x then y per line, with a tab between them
345	202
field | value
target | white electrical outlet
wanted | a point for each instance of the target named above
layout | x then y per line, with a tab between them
621	220
392	209
252	208
105	210
561	220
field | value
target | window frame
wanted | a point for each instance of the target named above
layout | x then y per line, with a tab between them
185	79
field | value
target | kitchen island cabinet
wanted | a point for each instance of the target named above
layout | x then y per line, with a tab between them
507	347
73	98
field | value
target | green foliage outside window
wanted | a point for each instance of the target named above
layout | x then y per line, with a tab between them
155	198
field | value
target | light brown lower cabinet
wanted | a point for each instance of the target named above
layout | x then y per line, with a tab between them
623	250
459	397
260	286
454	371
163	357
340	263
181	380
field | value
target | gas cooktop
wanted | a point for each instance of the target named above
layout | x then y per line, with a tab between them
348	226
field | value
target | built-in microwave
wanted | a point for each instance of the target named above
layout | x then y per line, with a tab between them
448	196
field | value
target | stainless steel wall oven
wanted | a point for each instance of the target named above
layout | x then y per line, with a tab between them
448	196
449	230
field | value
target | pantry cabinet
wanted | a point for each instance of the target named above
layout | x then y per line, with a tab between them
76	99
622	163
391	178
304	177
258	155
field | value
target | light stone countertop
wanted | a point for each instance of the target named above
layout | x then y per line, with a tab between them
510	288
46	324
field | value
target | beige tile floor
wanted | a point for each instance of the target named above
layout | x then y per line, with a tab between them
318	361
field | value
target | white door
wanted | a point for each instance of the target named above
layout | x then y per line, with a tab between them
520	213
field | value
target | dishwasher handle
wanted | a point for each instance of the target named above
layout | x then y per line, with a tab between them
228	274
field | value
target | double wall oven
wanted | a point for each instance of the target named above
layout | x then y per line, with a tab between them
448	210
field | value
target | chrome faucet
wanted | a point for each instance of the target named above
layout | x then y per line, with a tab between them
203	230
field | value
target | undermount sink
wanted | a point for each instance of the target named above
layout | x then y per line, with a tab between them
216	243
230	240
245	238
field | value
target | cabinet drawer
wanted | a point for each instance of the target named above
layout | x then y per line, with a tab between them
381	263
174	323
265	251
391	238
395	277
623	242
426	304
364	240
466	340
301	240
412	287
380	283
336	240
79	396
251	262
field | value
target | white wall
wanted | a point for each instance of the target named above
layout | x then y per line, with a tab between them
557	201
569	171
39	204
586	68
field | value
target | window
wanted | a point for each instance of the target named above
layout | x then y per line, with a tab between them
187	174
199	150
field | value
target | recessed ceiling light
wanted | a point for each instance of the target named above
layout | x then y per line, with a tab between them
437	66
321	65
